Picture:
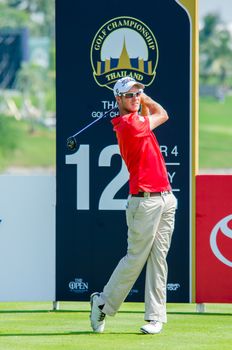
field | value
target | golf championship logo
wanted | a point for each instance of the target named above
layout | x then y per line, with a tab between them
124	46
222	227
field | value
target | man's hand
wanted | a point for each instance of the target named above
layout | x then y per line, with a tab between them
144	108
156	113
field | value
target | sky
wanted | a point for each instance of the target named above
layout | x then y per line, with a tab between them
223	7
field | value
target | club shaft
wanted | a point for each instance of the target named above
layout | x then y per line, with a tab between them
93	122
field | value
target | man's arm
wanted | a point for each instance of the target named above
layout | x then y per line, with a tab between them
156	113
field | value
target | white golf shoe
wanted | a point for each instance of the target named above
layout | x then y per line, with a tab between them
97	317
153	327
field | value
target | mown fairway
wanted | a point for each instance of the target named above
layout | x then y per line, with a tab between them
38	149
215	133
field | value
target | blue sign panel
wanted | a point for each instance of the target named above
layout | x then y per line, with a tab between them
94	49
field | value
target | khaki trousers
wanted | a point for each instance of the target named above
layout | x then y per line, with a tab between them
150	226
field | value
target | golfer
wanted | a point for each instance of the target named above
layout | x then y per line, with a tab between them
150	210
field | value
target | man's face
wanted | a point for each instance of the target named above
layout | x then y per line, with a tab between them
129	102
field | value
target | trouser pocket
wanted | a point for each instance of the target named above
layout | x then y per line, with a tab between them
132	207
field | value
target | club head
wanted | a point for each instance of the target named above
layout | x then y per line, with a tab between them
71	143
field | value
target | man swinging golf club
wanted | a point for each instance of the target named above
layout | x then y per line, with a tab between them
150	211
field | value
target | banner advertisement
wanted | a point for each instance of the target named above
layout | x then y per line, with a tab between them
152	45
214	239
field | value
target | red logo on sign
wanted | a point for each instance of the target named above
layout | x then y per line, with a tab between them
214	239
221	227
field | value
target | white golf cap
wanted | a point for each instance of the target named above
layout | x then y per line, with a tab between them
125	84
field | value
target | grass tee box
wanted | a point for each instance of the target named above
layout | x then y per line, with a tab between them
27	326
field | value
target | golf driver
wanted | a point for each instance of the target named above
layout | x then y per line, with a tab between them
71	141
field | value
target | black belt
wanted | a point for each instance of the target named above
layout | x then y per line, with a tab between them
150	194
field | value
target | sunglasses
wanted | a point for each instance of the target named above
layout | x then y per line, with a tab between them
131	94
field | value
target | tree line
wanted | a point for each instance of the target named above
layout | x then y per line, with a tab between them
215	43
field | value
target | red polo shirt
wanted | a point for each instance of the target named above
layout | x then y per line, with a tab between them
141	153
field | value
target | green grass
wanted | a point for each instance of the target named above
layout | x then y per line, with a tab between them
34	149
215	133
38	149
31	326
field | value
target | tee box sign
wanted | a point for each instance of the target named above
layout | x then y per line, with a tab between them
94	49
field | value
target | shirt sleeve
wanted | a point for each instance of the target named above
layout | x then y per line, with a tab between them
139	126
